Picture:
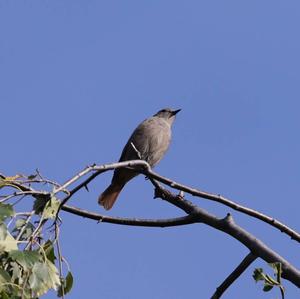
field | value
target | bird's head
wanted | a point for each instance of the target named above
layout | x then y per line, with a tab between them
168	114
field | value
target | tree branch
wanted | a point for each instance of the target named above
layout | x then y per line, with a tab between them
189	219
228	226
143	167
220	199
245	263
98	170
195	213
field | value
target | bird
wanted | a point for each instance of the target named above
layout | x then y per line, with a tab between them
148	142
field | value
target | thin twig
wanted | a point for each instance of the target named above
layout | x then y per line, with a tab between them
36	232
39	181
59	259
24	226
74	179
21	193
245	263
189	219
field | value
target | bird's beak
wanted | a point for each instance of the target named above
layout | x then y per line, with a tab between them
175	111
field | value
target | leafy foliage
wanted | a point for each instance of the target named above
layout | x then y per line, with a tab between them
30	262
6	210
66	285
44	276
268	281
10	182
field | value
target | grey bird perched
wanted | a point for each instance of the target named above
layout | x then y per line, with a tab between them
149	142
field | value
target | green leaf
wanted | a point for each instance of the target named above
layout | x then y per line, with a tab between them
270	282
51	208
258	274
8	244
49	251
6	210
9	182
3	231
43	277
4	295
66	285
19	223
40	202
47	205
278	271
16	273
4	278
27	259
267	287
27	228
27	232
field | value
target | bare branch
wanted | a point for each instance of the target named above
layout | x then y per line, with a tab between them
220	199
25	225
74	179
100	169
143	167
228	226
131	221
21	193
245	263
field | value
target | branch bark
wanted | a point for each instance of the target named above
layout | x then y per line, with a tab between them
236	273
228	226
198	215
143	167
189	219
222	200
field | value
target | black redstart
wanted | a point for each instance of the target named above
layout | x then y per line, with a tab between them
149	142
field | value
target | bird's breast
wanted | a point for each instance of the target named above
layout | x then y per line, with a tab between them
157	139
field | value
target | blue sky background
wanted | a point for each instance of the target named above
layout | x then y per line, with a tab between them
78	76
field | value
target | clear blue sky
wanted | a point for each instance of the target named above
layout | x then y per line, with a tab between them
78	76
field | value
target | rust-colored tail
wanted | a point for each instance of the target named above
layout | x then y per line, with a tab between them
109	196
